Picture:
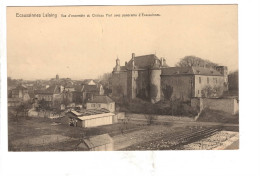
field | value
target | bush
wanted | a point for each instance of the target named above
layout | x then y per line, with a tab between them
176	108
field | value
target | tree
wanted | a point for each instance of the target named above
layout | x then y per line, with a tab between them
43	106
57	107
233	81
189	61
176	106
66	98
167	92
22	109
150	118
106	81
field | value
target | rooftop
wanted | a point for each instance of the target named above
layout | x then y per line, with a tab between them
144	62
98	140
190	71
101	99
89	112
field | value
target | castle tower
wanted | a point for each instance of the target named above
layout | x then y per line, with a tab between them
132	76
224	72
57	77
155	82
119	80
117	67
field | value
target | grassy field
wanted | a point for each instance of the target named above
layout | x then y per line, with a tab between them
41	134
34	133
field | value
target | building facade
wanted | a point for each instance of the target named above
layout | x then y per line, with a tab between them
150	78
100	102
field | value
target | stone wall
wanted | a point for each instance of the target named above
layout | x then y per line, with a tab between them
229	105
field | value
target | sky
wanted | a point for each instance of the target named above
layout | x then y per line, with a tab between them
87	47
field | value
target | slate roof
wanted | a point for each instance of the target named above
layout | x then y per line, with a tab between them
143	62
98	140
190	71
101	99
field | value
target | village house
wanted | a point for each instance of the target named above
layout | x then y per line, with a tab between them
101	101
14	102
50	95
20	92
150	78
85	92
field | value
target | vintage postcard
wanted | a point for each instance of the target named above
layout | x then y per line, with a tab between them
123	78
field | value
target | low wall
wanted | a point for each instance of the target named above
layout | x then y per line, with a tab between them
33	113
118	116
229	105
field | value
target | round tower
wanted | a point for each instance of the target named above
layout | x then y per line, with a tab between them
117	67
155	82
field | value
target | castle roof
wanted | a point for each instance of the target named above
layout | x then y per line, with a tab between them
190	71
145	61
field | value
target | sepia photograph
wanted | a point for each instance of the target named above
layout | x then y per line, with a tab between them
122	78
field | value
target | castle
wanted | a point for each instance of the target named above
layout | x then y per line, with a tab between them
150	78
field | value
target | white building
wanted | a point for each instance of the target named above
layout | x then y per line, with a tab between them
91	118
100	102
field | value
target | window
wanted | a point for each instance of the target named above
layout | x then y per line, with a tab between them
200	80
99	105
93	105
111	106
208	80
198	92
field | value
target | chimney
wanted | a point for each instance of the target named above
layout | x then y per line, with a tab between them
133	55
133	58
117	62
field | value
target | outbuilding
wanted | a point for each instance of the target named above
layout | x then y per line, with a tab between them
91	118
97	143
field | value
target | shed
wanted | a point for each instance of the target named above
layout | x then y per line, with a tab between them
92	118
97	143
